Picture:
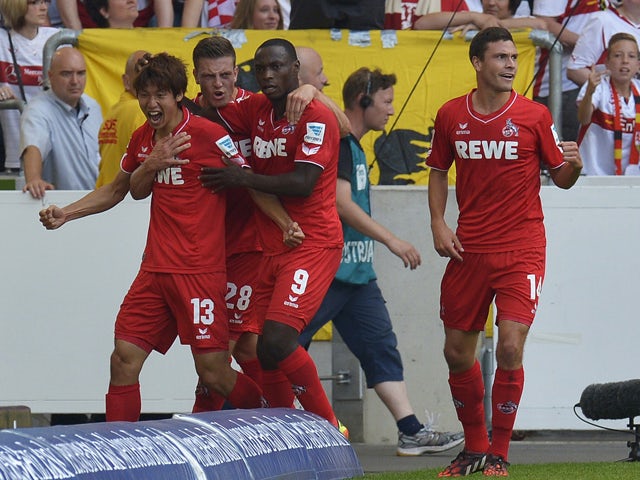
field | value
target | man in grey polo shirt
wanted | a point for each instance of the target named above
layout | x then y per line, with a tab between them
59	130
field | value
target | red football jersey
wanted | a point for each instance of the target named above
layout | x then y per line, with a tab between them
497	159
186	226
277	145
242	236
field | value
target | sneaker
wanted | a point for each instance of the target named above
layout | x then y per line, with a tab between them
427	441
343	430
464	464
495	466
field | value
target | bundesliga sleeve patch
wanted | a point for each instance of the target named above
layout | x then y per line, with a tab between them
315	133
555	136
227	146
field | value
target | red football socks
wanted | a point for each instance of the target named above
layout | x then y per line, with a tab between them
505	399
207	401
253	369
246	393
123	403
277	389
467	389
303	376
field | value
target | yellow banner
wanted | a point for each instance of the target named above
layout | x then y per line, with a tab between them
425	79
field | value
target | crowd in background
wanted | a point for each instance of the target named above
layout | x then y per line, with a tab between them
64	110
579	26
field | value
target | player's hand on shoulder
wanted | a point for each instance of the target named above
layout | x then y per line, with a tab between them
52	217
298	100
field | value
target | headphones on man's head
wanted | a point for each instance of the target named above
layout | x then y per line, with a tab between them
366	101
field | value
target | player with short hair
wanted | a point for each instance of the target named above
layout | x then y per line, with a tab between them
497	139
180	288
215	70
297	162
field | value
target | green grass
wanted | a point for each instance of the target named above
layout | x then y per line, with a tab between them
548	471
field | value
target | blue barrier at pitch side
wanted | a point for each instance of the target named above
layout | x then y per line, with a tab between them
278	443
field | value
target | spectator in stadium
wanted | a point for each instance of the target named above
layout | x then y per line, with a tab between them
611	147
207	13
565	19
257	15
21	45
311	68
591	46
159	13
402	14
59	130
122	119
343	14
354	301
494	13
112	13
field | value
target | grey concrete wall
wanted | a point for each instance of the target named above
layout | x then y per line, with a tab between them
61	290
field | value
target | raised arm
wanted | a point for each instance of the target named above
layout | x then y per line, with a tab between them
585	107
567	175
99	200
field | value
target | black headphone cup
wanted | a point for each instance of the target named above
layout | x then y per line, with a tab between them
366	101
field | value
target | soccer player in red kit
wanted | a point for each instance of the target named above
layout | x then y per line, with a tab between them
180	288
215	70
497	139
299	164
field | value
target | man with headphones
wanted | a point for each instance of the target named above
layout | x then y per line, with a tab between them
354	301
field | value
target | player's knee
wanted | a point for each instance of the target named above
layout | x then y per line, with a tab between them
509	355
220	378
124	368
458	360
276	348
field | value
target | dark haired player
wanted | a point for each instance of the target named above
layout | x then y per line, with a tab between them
497	139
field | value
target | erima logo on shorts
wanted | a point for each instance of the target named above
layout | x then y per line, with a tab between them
227	146
315	133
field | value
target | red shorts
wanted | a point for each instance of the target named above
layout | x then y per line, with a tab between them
160	306
242	280
293	284
514	279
